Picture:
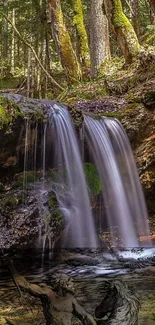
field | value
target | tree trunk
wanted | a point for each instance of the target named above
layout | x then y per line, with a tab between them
78	22
5	50
63	42
152	4
136	16
123	29
29	72
99	35
13	45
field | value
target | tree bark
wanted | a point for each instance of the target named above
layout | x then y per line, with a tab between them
99	35
152	4
78	22
123	29
63	43
5	22
136	16
13	44
28	72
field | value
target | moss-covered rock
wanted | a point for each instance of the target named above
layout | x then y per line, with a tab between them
9	112
56	215
92	178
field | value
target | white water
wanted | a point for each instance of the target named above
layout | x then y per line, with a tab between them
129	174
123	198
80	231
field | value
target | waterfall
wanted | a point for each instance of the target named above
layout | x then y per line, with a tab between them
80	231
123	206
122	193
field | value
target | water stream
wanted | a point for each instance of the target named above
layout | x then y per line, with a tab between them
80	229
124	202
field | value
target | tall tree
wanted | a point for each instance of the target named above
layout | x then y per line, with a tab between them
123	29
13	44
63	42
136	16
78	21
5	24
99	35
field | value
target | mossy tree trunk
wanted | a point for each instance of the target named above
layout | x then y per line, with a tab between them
136	16
123	29
78	21
98	35
63	43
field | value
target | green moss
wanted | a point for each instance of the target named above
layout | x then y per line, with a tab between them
28	177
78	21
131	98
127	111
125	32
92	177
86	91
8	202
120	114
151	40
52	202
55	214
9	111
119	18
111	114
68	58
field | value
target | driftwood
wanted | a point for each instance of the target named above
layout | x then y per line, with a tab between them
59	307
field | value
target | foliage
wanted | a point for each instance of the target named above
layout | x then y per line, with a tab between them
33	23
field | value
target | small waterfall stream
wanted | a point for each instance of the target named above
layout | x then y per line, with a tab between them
125	206
80	229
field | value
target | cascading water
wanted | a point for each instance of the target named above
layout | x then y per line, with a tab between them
122	193
80	230
124	202
127	167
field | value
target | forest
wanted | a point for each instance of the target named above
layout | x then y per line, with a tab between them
77	162
49	48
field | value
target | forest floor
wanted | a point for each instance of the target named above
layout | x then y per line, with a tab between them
115	85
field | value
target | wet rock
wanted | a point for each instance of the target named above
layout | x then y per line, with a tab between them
26	216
